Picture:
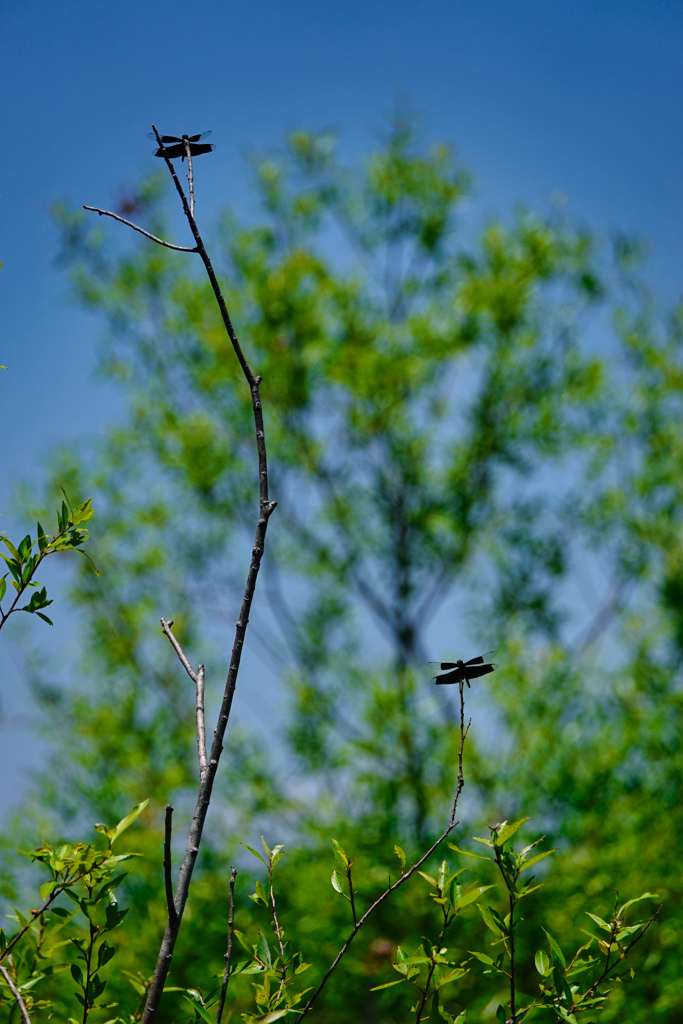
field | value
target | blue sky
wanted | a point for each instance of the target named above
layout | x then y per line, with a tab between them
538	95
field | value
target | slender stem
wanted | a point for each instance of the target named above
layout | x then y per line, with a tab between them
166	627
426	992
170	905
266	508
135	227
198	680
513	1005
190	174
353	902
16	993
278	932
228	952
201	728
404	878
608	970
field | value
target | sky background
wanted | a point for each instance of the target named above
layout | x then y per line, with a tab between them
584	97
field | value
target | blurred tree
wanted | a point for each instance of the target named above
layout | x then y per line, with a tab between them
480	421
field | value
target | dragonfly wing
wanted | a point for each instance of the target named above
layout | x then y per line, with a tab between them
202	135
172	152
479	670
197	150
449	677
476	661
444	664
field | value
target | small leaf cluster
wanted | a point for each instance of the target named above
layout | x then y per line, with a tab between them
23	561
276	964
430	968
87	876
574	986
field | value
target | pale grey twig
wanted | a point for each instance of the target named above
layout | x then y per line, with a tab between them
166	625
16	993
198	680
201	728
190	174
135	227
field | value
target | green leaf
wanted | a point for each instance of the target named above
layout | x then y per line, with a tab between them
388	984
483	957
203	1013
266	848
263	949
128	820
3	587
599	921
489	920
535	860
340	854
555	950
398	850
542	961
501	1015
467	853
428	878
622	910
472	896
507	832
336	880
257	855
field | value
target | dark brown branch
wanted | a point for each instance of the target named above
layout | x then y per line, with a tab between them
170	905
266	508
228	952
136	227
16	993
404	878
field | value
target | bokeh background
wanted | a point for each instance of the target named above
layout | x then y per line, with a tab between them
572	110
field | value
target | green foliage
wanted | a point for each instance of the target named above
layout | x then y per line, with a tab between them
38	952
23	561
472	422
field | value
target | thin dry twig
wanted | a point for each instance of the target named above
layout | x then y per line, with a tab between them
16	993
228	952
166	627
170	905
136	227
404	877
190	174
201	727
198	680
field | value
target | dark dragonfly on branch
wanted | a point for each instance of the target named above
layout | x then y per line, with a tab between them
462	671
177	147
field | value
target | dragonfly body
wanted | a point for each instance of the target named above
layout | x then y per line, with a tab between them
461	671
174	146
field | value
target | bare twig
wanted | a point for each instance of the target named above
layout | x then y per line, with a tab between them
404	878
198	680
135	227
170	905
201	728
166	627
190	174
266	508
16	993
228	952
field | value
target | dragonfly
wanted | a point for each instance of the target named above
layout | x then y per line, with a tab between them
177	147
462	671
